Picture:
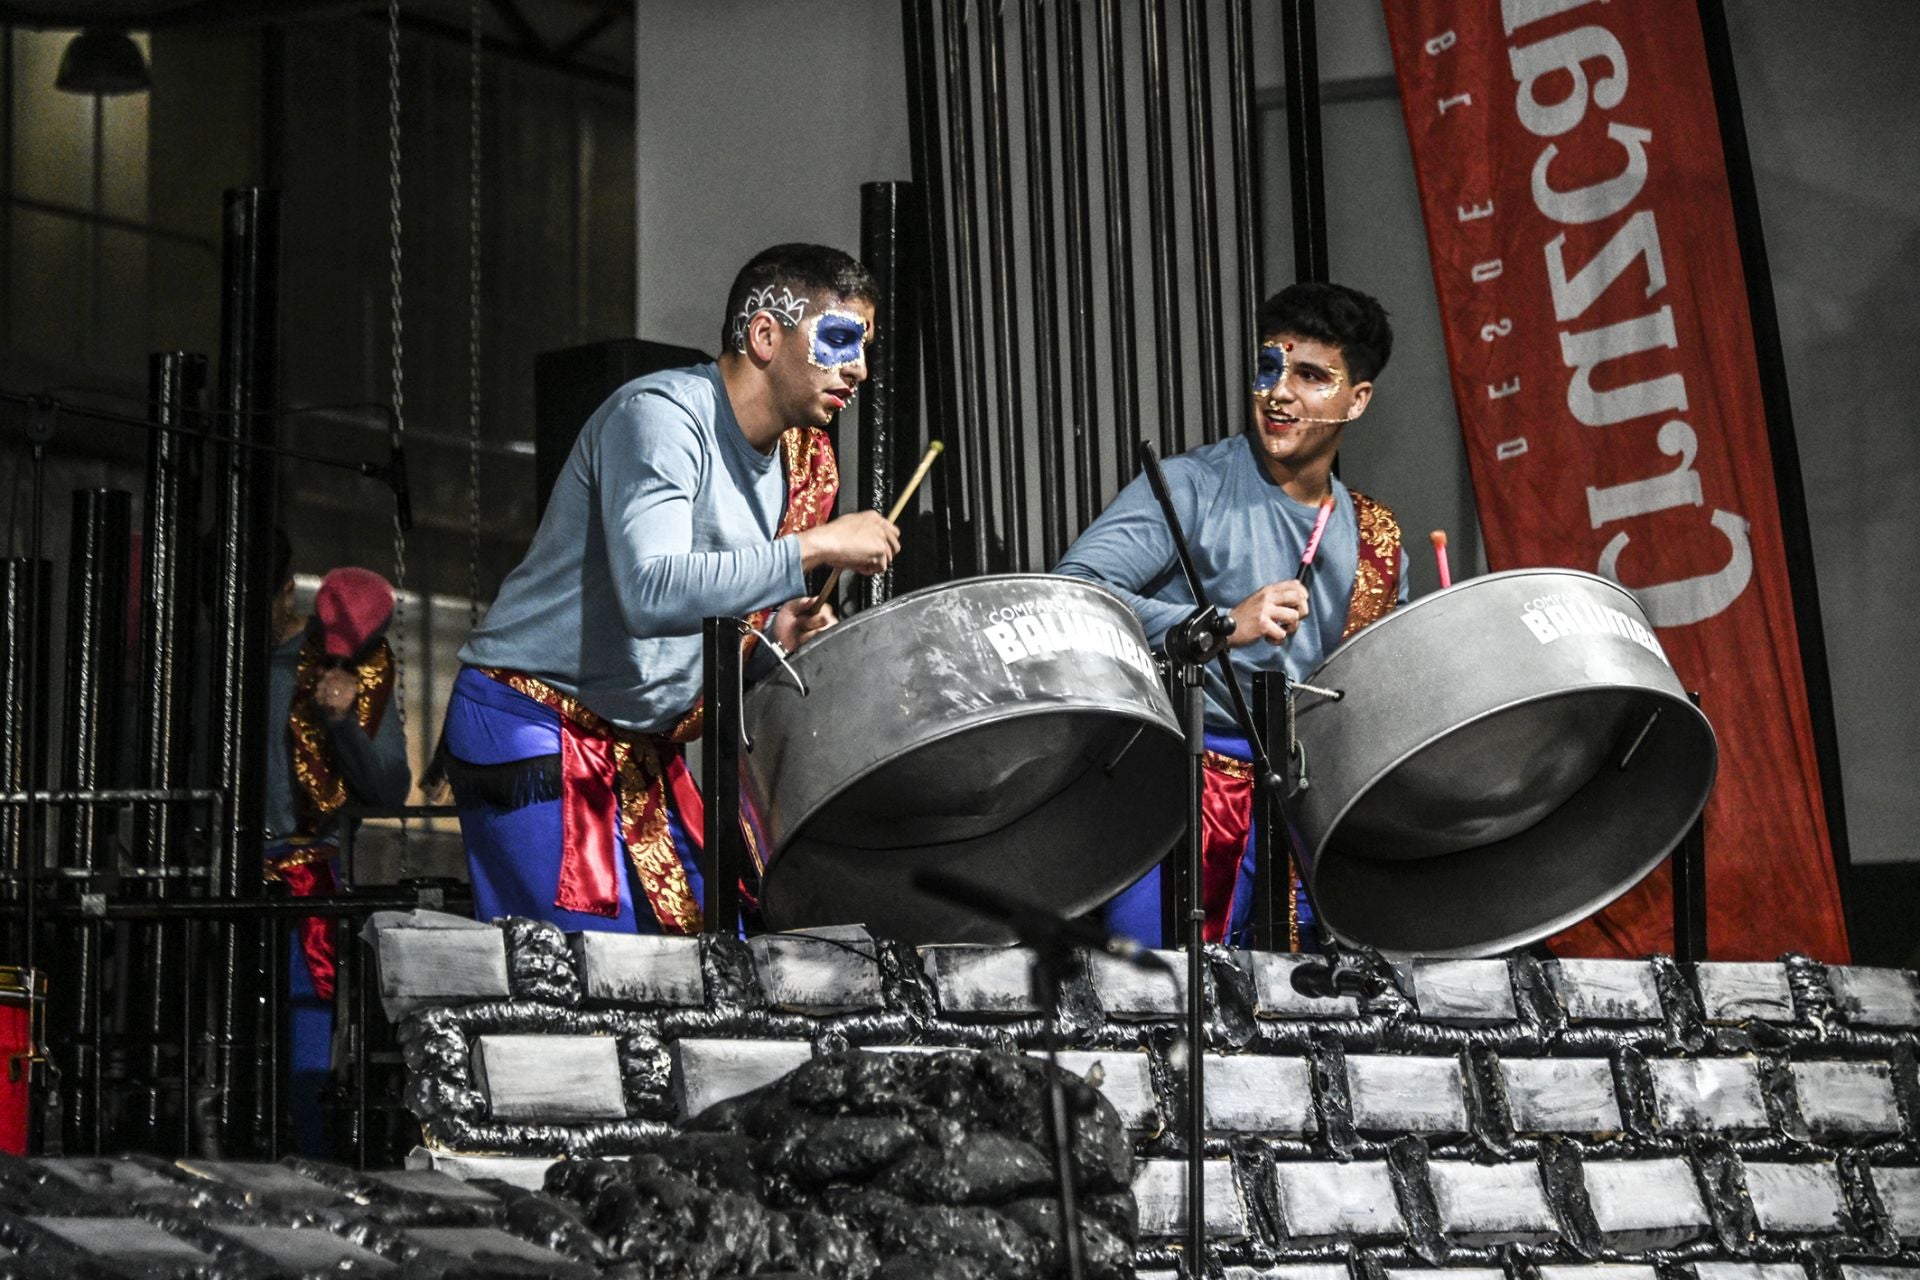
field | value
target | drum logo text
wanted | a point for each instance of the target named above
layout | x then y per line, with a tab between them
1044	633
1564	614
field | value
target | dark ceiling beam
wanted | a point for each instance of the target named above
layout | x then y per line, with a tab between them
522	29
588	33
509	50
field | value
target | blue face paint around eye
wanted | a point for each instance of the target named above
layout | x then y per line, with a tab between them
1269	367
839	339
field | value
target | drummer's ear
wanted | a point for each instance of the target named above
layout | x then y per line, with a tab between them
1362	394
763	336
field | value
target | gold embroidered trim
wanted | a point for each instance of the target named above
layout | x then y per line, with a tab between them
320	790
1376	578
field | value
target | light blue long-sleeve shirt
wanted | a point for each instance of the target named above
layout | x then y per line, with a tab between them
1245	533
663	515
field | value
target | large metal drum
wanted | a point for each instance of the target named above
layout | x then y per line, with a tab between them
1511	754
1008	730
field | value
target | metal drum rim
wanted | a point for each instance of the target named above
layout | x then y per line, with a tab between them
1537	931
1403	610
831	634
1123	710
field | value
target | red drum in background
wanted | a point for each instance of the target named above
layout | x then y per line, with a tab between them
20	1003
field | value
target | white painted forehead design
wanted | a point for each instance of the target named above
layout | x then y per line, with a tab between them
783	306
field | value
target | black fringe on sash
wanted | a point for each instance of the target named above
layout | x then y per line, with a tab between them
512	785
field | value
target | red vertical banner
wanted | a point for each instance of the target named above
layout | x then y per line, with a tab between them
1590	286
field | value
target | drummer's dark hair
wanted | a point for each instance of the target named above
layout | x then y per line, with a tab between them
1334	314
810	271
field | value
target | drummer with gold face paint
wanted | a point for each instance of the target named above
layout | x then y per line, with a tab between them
1250	506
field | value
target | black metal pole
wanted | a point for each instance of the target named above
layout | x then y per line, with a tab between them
1009	367
973	457
97	565
890	399
1269	869
1042	257
1783	447
1689	871
1206	228
1118	202
23	632
1162	231
244	493
726	856
932	273
1300	56
164	676
1074	148
1193	933
1246	170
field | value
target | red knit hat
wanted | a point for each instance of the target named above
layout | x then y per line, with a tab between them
354	606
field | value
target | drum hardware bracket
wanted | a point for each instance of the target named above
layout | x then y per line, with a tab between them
1125	747
779	653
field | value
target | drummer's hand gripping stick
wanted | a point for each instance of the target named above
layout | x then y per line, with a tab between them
893	516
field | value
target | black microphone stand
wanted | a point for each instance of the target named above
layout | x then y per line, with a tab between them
1201	638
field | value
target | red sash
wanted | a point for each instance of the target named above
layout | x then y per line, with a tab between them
607	771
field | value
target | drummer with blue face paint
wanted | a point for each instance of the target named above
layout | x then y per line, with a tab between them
1249	505
691	493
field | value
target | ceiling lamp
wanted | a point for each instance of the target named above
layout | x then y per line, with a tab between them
102	60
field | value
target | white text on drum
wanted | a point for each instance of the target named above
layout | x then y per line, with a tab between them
1550	617
1043	634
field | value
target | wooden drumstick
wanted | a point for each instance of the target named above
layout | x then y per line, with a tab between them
899	505
1439	539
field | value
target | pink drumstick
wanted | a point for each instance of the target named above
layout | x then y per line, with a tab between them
1439	537
1313	539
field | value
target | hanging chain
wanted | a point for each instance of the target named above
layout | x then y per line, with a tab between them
473	322
399	373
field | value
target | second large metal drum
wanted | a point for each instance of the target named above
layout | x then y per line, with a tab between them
1510	755
1010	730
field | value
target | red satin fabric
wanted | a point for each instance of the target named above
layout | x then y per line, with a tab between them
1226	815
686	797
314	880
589	812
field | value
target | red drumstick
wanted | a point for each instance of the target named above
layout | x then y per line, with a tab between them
1439	537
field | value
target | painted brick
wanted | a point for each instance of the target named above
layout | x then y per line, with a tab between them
479	1244
1491	1204
1560	1095
550	1078
1645	1204
1464	992
1875	997
1707	1093
1599	1271
818	974
710	1071
1407	1094
1735	992
1160	1189
1875	1271
1126	1080
640	968
273	1183
1795	1199
133	1241
1274	996
1448	1273
1846	1097
1605	990
994	982
308	1250
1749	1271
529	1172
458	964
1320	1200
433	1184
121	1181
1900	1196
1254	1093
1298	1271
1127	991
